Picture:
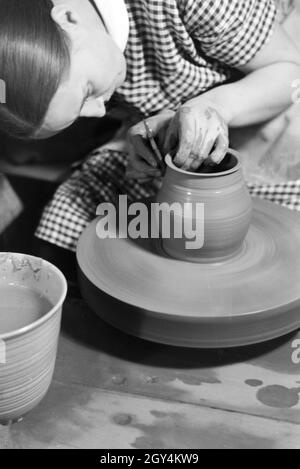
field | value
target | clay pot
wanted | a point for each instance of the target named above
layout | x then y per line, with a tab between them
28	354
226	216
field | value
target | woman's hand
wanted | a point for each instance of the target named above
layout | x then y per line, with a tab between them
197	134
142	164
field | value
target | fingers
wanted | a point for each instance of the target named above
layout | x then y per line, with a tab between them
201	151
183	156
166	117
200	136
193	136
222	142
138	169
187	134
141	148
171	137
221	148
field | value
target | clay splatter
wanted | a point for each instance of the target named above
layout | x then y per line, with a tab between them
159	415
3	258
152	379
254	383
184	435
198	380
119	380
6	439
185	110
208	113
278	397
122	419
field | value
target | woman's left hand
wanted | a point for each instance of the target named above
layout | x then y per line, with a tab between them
197	134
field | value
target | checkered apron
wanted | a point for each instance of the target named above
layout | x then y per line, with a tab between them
177	49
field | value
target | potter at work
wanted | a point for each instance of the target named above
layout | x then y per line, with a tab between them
154	278
206	72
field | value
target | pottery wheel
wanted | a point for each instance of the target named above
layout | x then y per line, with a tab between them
253	297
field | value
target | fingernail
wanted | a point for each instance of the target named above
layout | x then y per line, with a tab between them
216	160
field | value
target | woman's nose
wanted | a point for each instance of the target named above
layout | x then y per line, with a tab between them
93	108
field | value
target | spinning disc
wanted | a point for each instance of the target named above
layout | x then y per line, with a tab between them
252	297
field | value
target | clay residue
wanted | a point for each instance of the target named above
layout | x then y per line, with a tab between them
193	380
275	396
119	380
254	383
6	439
3	258
152	380
158	414
122	419
278	397
172	430
35	266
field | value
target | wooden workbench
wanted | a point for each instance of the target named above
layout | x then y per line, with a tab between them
115	391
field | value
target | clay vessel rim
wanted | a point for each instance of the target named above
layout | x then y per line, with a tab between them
53	310
237	167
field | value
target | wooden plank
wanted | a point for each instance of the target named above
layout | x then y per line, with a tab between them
257	380
83	417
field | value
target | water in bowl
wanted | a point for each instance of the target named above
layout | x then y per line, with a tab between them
20	307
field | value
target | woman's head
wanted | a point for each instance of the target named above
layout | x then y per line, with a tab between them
58	62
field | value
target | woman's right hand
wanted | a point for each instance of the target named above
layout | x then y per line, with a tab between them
142	163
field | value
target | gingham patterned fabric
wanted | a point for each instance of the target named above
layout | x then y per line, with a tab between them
284	193
176	50
101	178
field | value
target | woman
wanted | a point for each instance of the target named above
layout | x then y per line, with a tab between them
193	68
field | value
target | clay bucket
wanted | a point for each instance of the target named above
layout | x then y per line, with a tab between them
226	210
28	354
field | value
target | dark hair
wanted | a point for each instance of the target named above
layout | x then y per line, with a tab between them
34	55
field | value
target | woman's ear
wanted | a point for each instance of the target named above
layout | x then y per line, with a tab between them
65	17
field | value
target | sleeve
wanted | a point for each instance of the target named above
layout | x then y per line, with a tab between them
230	31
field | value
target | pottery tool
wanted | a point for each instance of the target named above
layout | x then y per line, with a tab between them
156	152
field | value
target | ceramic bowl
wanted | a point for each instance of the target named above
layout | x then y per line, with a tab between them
28	353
